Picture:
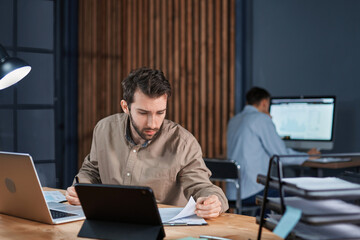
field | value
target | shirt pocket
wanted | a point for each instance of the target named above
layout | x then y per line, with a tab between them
159	179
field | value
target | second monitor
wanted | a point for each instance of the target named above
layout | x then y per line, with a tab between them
304	122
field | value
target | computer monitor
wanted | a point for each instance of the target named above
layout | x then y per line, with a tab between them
304	122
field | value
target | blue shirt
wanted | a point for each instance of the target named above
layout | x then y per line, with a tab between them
251	141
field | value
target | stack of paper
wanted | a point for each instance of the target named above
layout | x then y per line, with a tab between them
320	184
325	207
325	232
329	160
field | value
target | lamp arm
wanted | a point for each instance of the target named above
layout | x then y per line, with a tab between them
3	54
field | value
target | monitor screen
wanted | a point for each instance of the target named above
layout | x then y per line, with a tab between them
304	122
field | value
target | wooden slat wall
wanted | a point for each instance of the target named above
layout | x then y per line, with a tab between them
192	41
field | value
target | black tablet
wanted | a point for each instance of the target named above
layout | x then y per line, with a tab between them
119	212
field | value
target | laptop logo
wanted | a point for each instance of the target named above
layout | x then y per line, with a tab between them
10	185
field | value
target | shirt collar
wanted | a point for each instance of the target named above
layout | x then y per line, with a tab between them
250	108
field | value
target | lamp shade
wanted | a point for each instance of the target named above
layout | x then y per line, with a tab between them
12	69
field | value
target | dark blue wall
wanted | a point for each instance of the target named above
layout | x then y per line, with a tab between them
310	48
38	115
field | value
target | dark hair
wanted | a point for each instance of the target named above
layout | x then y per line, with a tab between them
151	82
255	95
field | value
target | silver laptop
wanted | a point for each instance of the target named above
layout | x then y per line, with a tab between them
21	194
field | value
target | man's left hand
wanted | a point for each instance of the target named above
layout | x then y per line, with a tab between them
208	207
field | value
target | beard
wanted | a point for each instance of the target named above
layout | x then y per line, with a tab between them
141	132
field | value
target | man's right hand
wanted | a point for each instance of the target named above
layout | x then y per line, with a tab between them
72	196
313	151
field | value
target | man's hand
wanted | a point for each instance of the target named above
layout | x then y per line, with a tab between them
208	207
72	196
313	151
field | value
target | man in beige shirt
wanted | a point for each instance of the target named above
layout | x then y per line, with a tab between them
140	147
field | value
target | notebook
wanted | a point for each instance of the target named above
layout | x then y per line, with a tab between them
21	194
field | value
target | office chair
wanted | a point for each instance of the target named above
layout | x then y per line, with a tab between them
229	171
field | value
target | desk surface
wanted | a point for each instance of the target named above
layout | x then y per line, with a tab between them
355	162
228	225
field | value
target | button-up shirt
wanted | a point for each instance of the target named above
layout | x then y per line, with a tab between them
171	163
251	141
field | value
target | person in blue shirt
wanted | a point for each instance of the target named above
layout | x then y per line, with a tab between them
251	141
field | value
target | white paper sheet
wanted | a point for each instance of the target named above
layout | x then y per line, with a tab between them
54	196
329	160
318	184
320	207
181	216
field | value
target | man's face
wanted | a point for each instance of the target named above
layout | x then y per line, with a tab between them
147	114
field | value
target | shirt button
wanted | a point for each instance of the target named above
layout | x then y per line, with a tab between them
128	174
134	150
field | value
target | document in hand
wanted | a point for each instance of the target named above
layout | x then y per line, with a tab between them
181	216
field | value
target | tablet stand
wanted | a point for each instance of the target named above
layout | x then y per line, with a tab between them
118	230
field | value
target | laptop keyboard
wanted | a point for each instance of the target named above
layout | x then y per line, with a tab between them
58	214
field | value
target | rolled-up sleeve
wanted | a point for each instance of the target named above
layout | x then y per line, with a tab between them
194	176
89	171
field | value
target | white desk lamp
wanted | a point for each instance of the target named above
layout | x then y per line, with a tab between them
12	69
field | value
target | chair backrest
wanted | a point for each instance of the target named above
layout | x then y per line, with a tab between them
228	171
223	169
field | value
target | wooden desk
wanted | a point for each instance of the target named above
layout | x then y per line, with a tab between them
228	225
355	162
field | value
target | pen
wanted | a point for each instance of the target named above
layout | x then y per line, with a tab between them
77	179
213	238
